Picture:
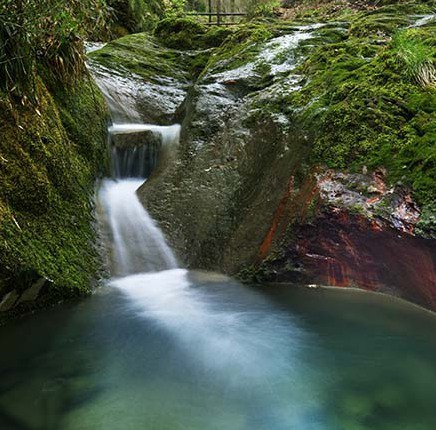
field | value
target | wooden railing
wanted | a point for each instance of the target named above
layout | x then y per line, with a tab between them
218	14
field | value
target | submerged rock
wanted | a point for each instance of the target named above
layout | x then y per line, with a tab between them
8	301
26	290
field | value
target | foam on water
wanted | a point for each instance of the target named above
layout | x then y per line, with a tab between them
220	333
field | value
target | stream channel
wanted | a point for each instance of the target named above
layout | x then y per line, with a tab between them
162	348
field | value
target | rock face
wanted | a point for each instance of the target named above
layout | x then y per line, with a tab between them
350	231
344	250
304	157
142	81
218	197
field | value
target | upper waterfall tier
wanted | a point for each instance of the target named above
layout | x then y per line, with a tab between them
136	157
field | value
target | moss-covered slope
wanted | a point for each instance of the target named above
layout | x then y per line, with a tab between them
50	155
370	99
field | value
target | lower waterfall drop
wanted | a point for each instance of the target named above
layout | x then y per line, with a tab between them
137	243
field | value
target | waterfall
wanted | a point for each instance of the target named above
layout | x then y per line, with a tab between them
136	244
150	142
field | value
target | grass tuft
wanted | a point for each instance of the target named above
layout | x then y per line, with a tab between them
416	56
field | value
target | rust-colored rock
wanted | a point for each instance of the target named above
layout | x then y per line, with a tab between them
343	250
360	235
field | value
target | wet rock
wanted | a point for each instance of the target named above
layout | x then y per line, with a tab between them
33	291
25	289
235	157
346	250
142	80
8	301
370	196
245	193
350	230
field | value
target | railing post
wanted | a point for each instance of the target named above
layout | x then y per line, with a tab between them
218	12
210	10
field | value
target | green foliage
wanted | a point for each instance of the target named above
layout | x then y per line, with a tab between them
143	15
45	36
174	8
136	15
262	8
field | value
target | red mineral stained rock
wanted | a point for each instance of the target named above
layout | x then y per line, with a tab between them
278	216
354	239
350	254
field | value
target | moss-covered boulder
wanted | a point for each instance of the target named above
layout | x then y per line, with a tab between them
234	165
142	80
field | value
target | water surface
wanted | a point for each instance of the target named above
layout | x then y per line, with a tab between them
179	350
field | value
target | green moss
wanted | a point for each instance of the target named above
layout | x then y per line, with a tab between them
180	33
152	58
50	156
135	15
240	47
362	106
427	222
215	36
141	55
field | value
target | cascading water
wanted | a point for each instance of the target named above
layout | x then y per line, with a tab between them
137	243
141	158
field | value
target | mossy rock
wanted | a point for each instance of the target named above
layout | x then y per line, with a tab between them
142	56
363	107
179	33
